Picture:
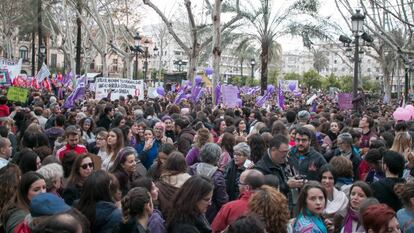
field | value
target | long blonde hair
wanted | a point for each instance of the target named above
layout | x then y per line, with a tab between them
402	141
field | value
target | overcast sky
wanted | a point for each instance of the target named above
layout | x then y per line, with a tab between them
328	8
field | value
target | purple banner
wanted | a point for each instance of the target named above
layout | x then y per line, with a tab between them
345	101
230	95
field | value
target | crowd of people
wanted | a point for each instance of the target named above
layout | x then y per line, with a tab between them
132	165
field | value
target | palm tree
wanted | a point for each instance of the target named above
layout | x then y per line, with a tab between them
269	24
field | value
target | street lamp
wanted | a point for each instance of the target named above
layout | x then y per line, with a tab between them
136	49
252	63
180	63
357	26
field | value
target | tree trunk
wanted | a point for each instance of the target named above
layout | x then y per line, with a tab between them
191	66
104	66
264	58
33	52
216	44
78	37
39	32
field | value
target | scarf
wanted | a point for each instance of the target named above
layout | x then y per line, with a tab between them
315	219
351	216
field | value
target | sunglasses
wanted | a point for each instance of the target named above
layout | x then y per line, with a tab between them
86	165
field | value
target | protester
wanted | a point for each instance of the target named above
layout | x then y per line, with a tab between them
14	213
137	207
53	174
272	207
157	168
311	203
115	142
97	203
156	222
202	137
250	181
405	215
5	151
172	178
125	168
305	159
380	218
386	190
190	205
336	200
72	139
209	156
349	221
236	166
82	168
148	149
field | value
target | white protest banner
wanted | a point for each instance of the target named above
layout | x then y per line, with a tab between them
119	87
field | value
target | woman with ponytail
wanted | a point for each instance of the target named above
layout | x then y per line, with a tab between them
136	209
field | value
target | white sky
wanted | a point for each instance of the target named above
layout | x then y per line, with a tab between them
328	8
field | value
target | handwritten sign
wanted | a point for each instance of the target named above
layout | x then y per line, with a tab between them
345	101
17	94
119	87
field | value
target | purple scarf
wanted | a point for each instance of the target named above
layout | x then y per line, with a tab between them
352	215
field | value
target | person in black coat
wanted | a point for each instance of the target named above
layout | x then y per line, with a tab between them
105	119
386	190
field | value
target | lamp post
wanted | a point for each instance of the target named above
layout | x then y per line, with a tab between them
252	63
406	80
136	49
42	50
180	63
357	26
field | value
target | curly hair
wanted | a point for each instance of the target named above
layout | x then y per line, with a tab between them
272	206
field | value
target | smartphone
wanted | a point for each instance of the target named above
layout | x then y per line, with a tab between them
300	177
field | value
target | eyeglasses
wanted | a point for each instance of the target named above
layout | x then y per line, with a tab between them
208	200
239	154
86	165
301	139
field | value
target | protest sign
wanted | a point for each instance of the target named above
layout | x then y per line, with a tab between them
17	94
118	87
230	95
345	101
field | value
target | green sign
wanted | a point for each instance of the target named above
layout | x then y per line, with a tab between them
17	94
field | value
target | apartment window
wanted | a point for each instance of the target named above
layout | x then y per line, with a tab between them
369	70
335	61
92	65
53	60
23	53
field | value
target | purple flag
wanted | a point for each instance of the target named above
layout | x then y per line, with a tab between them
78	93
281	98
67	78
217	93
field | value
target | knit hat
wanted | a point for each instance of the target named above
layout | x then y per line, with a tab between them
47	204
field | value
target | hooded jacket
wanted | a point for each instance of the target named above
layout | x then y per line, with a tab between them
220	196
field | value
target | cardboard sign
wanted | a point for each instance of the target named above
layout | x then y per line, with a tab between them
118	87
345	101
17	94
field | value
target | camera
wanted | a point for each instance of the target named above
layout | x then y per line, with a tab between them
300	177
